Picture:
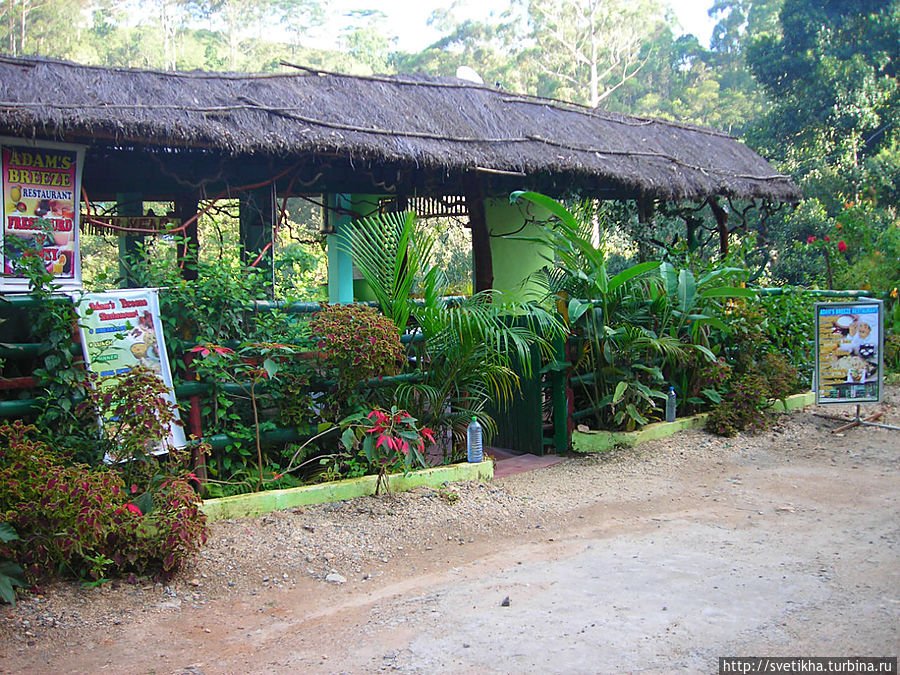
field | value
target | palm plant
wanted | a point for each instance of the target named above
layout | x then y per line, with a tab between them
633	331
471	348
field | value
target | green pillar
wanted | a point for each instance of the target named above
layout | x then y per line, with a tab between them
129	204
514	260
340	266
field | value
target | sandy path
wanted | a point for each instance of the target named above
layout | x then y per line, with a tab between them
660	559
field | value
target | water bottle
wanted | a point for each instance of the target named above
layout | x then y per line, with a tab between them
671	401
473	441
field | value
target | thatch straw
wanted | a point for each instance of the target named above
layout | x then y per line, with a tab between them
444	125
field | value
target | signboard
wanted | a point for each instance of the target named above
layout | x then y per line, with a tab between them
40	185
849	351
121	329
122	224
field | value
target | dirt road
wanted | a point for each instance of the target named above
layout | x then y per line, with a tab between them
658	559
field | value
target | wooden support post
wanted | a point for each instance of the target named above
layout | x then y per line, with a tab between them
188	240
721	216
482	260
559	379
129	204
195	425
257	218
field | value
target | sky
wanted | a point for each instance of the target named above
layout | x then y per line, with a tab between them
410	19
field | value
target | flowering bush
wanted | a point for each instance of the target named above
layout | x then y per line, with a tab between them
388	441
85	521
358	343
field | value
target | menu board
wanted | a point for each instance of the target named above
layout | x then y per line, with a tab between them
122	329
849	349
40	184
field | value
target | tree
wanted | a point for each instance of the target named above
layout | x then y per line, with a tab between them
39	26
832	73
586	49
832	77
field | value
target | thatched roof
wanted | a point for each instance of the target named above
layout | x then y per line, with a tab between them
431	124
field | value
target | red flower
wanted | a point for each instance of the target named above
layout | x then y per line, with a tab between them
428	433
134	509
134	489
810	240
379	416
842	246
826	238
206	350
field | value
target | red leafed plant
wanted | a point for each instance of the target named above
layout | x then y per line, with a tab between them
85	522
390	441
358	343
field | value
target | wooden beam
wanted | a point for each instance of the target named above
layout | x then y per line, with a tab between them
721	216
129	204
188	241
482	260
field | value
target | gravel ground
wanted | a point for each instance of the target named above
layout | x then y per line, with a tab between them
374	542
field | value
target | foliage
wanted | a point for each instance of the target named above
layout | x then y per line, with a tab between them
357	344
750	394
210	309
86	522
251	369
387	442
392	252
59	373
469	346
135	414
760	371
830	71
11	574
788	323
633	331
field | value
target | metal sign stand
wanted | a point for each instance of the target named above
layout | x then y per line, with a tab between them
869	421
838	330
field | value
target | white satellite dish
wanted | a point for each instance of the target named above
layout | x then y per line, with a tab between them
466	73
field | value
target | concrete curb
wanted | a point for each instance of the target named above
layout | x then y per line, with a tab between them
257	503
601	441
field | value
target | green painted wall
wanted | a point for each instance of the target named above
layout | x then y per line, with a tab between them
515	260
345	284
340	267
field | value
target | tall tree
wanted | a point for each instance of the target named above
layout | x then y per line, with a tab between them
586	49
39	26
832	74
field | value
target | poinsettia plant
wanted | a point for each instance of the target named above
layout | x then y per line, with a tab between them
390	441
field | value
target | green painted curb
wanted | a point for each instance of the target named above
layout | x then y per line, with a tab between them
257	503
794	402
601	441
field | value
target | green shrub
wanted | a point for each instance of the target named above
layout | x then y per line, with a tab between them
358	344
750	393
72	519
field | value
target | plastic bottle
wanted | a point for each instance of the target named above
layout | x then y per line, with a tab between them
671	402
473	442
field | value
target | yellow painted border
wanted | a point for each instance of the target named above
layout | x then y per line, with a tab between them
256	503
601	441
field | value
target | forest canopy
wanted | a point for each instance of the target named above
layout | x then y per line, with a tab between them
811	85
